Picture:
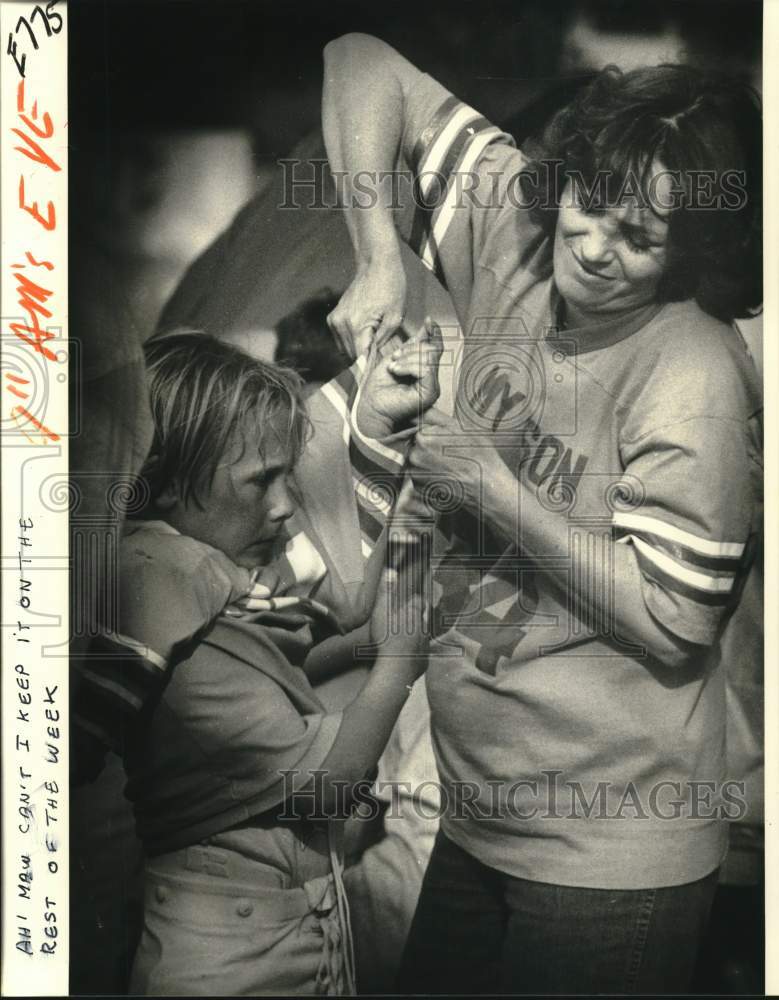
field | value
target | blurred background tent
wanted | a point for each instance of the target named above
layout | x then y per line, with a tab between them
179	113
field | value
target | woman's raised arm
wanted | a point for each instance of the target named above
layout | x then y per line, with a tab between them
365	86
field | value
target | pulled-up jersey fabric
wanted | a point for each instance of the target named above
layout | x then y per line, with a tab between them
567	753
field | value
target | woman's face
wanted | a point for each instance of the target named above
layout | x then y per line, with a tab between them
245	508
608	260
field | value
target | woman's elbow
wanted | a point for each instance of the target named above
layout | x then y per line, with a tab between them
352	42
675	653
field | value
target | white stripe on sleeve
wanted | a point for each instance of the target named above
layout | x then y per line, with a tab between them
653	525
446	213
337	402
701	581
431	162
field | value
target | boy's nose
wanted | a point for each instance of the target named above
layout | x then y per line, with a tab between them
281	505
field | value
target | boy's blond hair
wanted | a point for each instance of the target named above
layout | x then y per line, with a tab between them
202	390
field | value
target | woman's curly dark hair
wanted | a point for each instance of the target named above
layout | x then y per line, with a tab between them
694	123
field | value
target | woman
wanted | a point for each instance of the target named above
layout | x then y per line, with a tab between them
237	774
604	471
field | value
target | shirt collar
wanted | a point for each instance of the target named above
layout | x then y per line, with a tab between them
603	333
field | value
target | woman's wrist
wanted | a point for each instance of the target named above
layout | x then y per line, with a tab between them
371	423
377	240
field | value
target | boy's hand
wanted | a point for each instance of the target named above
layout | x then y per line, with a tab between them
402	386
399	623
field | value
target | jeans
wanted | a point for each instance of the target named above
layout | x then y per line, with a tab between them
478	930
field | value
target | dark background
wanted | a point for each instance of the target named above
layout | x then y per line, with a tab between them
149	80
181	64
154	85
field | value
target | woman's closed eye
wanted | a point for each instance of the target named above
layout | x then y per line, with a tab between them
638	244
639	241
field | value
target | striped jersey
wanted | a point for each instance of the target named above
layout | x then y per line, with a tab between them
567	753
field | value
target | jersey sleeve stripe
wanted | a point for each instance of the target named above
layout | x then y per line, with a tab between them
420	227
346	380
420	240
430	163
370	525
703	597
373	462
432	260
699	581
368	465
372	497
681	552
127	672
115	645
446	213
653	525
440	176
331	394
112	687
433	129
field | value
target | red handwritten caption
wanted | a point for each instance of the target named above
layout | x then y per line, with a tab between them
34	131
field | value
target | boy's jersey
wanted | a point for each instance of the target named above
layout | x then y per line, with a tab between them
567	753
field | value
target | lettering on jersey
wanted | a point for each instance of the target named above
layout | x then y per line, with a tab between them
496	386
546	458
549	459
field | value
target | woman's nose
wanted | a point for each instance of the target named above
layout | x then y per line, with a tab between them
595	247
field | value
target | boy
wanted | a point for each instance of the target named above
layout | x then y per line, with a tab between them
229	754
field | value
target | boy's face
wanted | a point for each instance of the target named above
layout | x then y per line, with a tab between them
244	509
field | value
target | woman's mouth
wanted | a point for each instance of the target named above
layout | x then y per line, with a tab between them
590	272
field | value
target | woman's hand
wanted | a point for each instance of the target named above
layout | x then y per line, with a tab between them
401	386
373	306
438	451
